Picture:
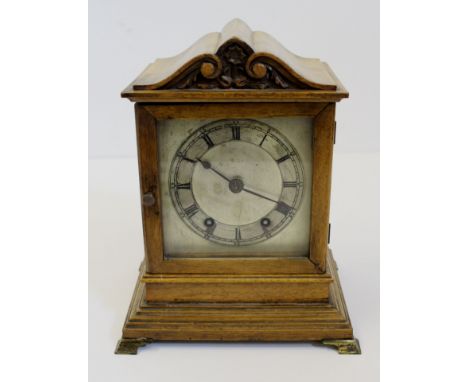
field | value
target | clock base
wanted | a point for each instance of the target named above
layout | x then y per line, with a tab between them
326	322
131	345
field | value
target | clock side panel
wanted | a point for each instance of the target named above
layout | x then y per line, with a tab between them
204	217
323	143
147	148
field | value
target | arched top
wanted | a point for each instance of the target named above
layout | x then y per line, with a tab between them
236	58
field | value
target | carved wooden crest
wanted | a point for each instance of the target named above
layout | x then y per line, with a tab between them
236	58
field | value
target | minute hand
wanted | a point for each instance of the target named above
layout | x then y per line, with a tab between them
260	195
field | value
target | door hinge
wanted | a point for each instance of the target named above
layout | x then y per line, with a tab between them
329	232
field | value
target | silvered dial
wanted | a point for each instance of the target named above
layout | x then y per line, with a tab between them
236	181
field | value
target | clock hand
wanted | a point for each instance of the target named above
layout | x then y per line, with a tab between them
235	185
259	195
207	165
281	206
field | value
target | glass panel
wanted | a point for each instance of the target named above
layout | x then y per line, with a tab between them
236	187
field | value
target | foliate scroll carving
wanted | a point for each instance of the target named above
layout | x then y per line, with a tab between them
236	66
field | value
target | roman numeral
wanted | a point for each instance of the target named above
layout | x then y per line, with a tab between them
185	158
283	208
235	132
282	159
184	186
190	211
264	137
266	232
208	140
290	184
238	234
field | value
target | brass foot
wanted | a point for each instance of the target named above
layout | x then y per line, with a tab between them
345	346
131	345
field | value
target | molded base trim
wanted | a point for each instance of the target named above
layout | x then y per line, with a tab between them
327	322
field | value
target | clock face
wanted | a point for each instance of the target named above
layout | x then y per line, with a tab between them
236	182
235	188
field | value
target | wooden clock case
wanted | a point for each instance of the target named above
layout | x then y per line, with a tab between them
237	74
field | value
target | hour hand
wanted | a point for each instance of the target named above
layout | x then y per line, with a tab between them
207	165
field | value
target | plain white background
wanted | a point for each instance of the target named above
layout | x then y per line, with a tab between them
123	40
43	152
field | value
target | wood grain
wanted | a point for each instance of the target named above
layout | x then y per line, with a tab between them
256	96
236	288
236	58
243	321
235	266
149	183
289	291
234	110
322	155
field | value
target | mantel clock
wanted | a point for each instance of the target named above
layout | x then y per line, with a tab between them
235	140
